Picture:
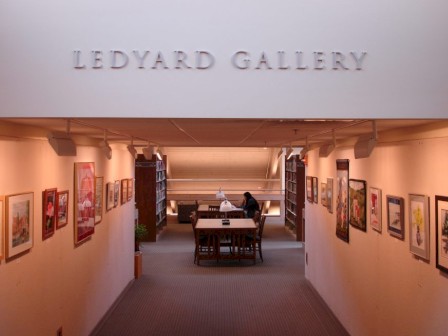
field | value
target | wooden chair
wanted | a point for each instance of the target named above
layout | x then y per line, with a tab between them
259	237
235	214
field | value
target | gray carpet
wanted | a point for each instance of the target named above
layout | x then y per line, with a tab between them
176	297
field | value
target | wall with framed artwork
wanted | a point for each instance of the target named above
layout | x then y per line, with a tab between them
38	248
395	265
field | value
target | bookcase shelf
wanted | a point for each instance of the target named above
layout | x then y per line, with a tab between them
295	195
150	193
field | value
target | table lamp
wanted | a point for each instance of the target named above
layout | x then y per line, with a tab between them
225	207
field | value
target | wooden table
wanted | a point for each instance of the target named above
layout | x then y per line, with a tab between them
217	241
204	212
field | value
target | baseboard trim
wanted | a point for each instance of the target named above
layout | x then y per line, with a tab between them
101	322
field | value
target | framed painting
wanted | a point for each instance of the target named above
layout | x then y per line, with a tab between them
130	188
116	192
2	227
49	203
124	191
19	223
419	225
110	192
99	187
315	190
84	204
62	209
375	208
323	194
330	194
342	206
442	233
395	216
357	202
309	189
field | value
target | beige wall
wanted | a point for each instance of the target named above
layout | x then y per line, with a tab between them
374	284
57	284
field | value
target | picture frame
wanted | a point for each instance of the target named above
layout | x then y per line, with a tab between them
2	227
62	209
442	232
110	192
342	199
309	189
330	194
19	224
49	204
130	188
124	191
375	209
84	204
419	225
315	190
395	216
323	194
116	192
357	202
99	187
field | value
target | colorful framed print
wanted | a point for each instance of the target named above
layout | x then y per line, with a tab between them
375	208
62	209
309	189
99	187
124	191
330	194
130	188
110	192
419	225
323	194
84	204
19	223
116	193
442	233
357	202
395	216
342	206
315	190
2	227
49	203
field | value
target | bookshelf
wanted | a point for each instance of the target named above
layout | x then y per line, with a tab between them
150	193
295	196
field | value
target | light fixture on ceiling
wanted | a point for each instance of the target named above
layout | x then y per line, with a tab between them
280	153
366	143
289	153
148	151
327	147
62	143
132	149
159	154
104	145
304	149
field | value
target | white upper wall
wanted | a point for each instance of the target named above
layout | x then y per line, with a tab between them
403	74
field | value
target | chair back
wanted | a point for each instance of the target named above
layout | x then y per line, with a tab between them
193	218
256	217
261	226
235	214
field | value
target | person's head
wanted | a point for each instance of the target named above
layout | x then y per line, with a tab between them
247	195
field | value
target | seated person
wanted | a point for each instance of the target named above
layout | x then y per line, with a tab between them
250	205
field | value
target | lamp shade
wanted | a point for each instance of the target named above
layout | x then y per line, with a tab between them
225	206
220	194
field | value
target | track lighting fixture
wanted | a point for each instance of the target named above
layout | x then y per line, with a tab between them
366	143
159	154
62	143
132	149
304	149
148	151
327	147
289	153
280	153
104	145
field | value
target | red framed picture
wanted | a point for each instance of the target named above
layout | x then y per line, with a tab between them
49	204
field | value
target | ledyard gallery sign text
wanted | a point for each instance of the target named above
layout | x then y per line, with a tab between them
203	60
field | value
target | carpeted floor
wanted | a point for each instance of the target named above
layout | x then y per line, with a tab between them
176	297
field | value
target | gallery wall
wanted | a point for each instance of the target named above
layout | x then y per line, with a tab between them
373	283
57	284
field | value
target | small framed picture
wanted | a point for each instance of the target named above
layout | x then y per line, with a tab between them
62	209
357	201
419	225
375	208
110	192
395	216
442	233
309	189
323	194
19	223
49	203
315	190
130	188
124	191
330	194
116	193
84	198
99	187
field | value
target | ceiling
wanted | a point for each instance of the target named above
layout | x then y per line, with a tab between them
188	132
